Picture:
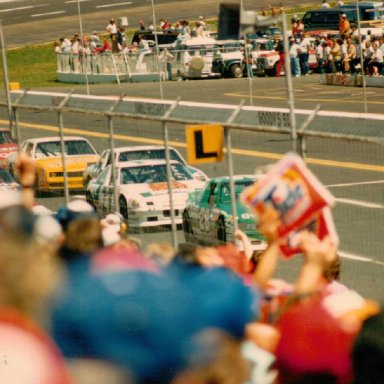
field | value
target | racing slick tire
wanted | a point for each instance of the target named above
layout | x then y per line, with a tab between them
221	233
187	228
236	71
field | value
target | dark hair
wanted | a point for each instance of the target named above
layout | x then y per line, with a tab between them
186	253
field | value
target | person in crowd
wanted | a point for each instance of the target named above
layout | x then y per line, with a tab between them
305	46
142	25
111	28
202	22
345	59
121	39
319	52
325	5
368	350
375	66
29	274
368	55
248	59
352	54
106	47
344	26
167	58
336	55
95	38
280	49
294	51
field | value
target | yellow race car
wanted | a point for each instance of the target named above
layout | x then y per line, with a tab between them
46	151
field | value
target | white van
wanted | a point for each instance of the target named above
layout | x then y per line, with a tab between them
195	58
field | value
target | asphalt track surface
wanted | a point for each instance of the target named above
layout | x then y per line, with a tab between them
359	211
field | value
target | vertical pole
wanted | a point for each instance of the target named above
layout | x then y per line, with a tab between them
157	50
249	69
82	46
63	157
112	148
6	77
113	163
16	117
228	144
288	80
62	144
169	172
361	58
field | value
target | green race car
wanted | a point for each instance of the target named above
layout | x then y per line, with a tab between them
208	219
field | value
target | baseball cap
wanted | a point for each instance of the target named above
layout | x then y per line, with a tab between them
76	209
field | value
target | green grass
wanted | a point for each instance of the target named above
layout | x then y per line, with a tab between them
32	66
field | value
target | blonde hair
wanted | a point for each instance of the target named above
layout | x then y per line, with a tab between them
29	273
84	235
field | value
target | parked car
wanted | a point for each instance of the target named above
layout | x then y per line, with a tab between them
139	152
7	146
230	62
267	61
328	18
46	151
207	218
142	190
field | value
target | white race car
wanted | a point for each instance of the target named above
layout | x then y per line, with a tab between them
137	152
142	190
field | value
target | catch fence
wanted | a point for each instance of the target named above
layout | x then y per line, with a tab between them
344	150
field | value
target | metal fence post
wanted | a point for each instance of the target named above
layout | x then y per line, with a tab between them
16	118
304	126
288	80
112	148
169	171
228	144
61	133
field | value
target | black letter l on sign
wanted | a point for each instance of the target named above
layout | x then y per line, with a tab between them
199	147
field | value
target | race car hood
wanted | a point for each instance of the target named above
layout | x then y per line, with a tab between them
74	163
159	193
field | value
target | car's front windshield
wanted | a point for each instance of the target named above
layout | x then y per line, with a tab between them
72	148
153	174
155	154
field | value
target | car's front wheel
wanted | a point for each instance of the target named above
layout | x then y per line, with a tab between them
123	207
221	232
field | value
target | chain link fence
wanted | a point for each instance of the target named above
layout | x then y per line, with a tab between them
345	151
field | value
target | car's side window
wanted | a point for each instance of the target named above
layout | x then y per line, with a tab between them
225	193
212	193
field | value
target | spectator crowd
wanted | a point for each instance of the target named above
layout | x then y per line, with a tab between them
82	301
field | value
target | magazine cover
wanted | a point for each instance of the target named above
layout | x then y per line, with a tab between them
290	189
322	225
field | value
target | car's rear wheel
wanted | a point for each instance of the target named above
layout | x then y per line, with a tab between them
187	228
221	233
236	71
123	207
